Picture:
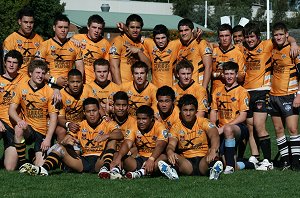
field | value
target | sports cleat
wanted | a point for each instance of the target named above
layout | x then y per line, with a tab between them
285	166
254	161
216	170
228	170
104	173
265	165
167	170
33	170
134	175
115	173
25	168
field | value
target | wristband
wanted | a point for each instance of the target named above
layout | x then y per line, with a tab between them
103	117
52	80
67	124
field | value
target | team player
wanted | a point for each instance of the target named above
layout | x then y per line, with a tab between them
223	53
93	45
237	35
126	49
60	53
13	60
97	139
140	91
150	138
103	88
71	111
284	97
230	103
35	100
24	40
198	53
186	85
193	143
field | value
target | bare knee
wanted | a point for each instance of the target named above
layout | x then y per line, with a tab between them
228	131
60	133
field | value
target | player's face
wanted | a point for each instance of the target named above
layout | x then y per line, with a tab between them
185	76
238	37
92	114
61	29
280	37
134	29
37	76
75	84
252	40
185	33
11	65
26	24
161	40
225	38
188	113
230	77
121	108
95	30
101	73
165	103
139	76
143	121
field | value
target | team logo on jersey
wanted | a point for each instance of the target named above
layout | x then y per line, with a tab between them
146	98
283	56
129	93
200	132
36	44
24	92
101	132
103	50
154	138
205	102
169	51
113	50
38	53
192	49
208	50
219	94
68	102
127	133
94	91
247	101
71	49
259	50
231	59
233	99
83	130
181	132
2	84
211	125
19	42
154	49
43	99
165	133
52	47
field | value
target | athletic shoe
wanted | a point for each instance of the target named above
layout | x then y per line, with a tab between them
167	170
285	166
228	170
216	170
134	175
38	170
265	165
25	168
254	160
104	173
115	173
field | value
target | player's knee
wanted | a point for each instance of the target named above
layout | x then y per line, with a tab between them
18	132
60	133
279	129
293	131
228	131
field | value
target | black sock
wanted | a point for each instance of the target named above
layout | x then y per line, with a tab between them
52	161
21	150
230	152
108	157
295	148
265	145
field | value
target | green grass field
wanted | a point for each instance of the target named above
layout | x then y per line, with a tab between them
245	183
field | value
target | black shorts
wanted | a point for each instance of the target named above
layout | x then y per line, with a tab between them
8	136
259	101
34	137
140	161
89	163
282	106
195	161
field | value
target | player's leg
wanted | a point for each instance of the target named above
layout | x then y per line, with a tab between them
183	165
60	133
20	145
215	168
10	152
107	158
252	140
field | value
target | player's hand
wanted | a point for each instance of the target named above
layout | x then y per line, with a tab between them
294	50
220	130
211	156
198	34
56	98
62	81
22	124
130	49
2	127
121	26
75	42
68	139
45	144
73	127
296	102
101	138
149	166
157	117
172	157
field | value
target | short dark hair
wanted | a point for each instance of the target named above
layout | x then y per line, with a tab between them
139	64
184	63
25	11
186	22
225	27
165	91
37	64
145	109
14	54
101	61
161	29
279	26
250	28
237	28
74	72
187	99
96	19
61	17
120	95
89	101
134	17
230	66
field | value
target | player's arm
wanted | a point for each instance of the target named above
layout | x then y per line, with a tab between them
200	114
51	128
214	139
80	66
144	58
115	70
170	150
116	134
294	47
159	148
12	111
240	118
69	126
213	116
207	62
125	147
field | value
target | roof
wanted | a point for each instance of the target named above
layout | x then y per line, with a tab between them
80	18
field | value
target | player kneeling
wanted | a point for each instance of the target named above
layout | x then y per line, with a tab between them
97	139
190	137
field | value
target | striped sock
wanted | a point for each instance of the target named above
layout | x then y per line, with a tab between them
52	161
108	157
21	150
295	148
283	149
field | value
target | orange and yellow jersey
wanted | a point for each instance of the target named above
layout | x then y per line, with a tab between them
285	76
192	142
146	142
105	92
91	51
72	108
258	66
171	119
6	89
118	51
60	57
229	103
194	52
137	98
87	134
240	47
196	90
220	56
126	127
162	61
35	105
27	46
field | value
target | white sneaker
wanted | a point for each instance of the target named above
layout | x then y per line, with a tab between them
228	170
25	168
216	171
104	173
265	165
33	170
115	173
167	170
254	161
134	175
